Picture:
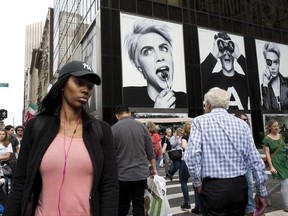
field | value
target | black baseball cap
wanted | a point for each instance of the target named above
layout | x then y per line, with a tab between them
78	69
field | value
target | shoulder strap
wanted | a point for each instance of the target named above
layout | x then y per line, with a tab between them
277	148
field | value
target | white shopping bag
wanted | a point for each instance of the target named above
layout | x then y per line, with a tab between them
155	198
161	164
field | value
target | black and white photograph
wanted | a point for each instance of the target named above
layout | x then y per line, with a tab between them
273	74
153	67
223	65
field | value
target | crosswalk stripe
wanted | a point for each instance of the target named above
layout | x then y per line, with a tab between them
276	213
176	185
178	210
178	195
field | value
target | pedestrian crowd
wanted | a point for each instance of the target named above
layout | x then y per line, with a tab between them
64	146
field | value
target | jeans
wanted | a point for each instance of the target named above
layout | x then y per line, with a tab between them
175	167
250	207
158	160
5	186
284	192
184	176
131	191
167	162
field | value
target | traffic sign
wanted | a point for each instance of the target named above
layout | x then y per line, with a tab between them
3	114
4	84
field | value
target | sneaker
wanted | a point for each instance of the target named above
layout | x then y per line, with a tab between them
185	206
196	210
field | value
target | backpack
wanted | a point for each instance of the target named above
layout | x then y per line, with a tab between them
156	145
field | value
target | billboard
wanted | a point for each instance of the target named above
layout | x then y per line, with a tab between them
273	73
223	65
153	67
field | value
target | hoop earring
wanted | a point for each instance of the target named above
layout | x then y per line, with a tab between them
139	69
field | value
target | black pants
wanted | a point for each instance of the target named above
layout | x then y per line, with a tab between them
224	197
131	191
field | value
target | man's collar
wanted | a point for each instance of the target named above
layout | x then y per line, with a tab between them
219	109
125	117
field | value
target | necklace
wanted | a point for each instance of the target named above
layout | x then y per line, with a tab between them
65	160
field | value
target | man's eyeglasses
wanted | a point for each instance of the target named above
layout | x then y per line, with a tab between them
229	46
269	62
20	130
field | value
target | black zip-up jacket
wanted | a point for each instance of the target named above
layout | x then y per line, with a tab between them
39	133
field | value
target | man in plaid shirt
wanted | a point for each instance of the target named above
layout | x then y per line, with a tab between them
220	151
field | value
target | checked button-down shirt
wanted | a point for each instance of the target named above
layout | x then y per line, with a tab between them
221	146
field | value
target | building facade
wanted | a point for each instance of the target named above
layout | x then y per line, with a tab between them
98	32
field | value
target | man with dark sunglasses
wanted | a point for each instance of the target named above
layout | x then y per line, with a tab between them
226	50
274	86
250	207
19	134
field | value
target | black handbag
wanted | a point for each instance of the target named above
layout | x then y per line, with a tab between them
175	154
7	170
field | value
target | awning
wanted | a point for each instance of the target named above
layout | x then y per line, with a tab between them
164	120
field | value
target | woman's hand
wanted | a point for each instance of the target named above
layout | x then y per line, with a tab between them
273	170
165	99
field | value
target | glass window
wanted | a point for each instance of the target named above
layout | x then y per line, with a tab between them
160	10
226	25
237	27
202	19
214	22
256	13
270	16
144	7
128	5
175	13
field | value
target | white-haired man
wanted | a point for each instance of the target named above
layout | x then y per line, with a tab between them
220	151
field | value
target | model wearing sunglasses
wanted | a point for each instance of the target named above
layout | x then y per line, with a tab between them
226	51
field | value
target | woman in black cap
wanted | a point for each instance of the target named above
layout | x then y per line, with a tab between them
67	164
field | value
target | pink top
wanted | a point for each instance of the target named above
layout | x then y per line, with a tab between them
73	198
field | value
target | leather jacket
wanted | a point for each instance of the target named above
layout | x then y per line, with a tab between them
270	101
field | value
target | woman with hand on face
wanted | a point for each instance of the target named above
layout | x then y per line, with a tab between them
150	50
67	163
278	165
5	153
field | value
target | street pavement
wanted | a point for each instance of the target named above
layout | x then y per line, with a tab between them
175	196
